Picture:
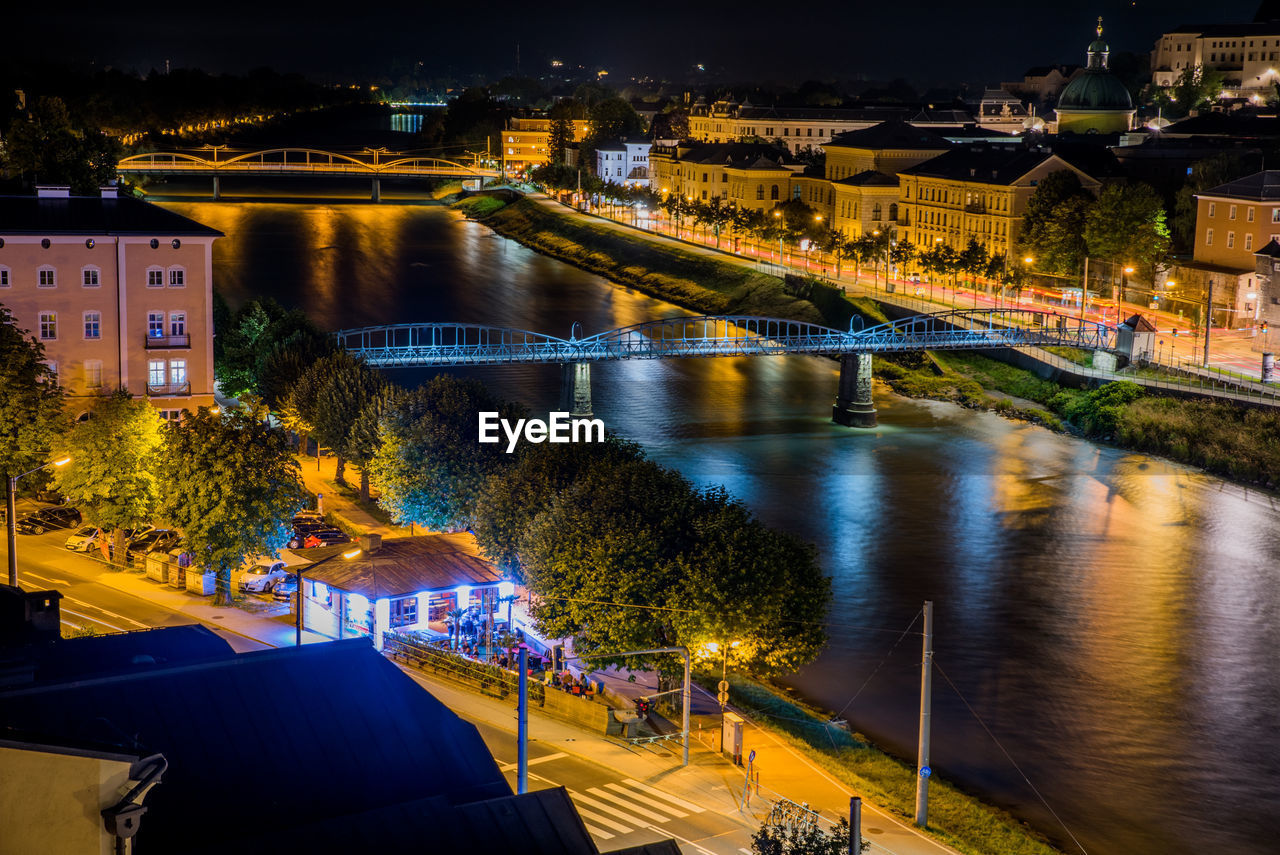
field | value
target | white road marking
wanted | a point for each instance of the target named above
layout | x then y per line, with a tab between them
618	788
598	805
595	817
136	623
656	817
598	832
689	806
510	767
68	611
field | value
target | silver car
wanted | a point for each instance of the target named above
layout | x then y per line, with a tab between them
263	576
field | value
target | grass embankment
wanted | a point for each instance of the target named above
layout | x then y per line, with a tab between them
697	282
955	817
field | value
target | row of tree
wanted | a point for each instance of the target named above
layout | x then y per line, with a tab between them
1064	223
619	552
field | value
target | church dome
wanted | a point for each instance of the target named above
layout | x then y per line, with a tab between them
1096	89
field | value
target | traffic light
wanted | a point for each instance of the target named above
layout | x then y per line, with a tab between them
1175	333
1264	326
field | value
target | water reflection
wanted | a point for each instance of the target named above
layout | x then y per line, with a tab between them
1111	617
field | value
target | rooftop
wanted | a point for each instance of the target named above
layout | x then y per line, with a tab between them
982	164
93	215
890	134
1260	186
400	566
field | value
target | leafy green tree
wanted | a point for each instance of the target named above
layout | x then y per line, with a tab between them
973	260
285	364
31	414
510	500
561	132
1197	87
1205	174
429	468
607	120
366	432
1053	226
231	485
115	454
804	840
255	333
343	386
1127	225
46	146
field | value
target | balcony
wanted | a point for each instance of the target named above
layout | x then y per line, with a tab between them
161	342
168	390
975	208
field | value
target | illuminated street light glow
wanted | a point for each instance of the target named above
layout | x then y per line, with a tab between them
352	554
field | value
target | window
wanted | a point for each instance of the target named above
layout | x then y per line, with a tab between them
177	371
1208	237
90	277
4	277
773	193
155	372
92	326
1248	214
1275	215
155	324
47	277
155	277
759	195
404	611
1248	241
93	373
48	326
1231	240
177	323
875	211
1231	212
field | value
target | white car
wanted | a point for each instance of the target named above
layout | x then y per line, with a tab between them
83	538
263	576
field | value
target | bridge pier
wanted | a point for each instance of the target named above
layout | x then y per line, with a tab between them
854	407
377	190
217	189
575	389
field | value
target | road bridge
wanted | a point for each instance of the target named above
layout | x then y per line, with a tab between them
450	344
372	164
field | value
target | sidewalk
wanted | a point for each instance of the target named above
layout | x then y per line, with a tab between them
319	478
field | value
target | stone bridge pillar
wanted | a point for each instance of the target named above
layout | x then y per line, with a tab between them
853	400
376	195
575	389
217	189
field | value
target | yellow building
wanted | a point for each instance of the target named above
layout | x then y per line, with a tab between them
977	192
751	175
119	292
525	141
1096	101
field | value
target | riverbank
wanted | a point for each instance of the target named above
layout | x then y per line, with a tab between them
1236	442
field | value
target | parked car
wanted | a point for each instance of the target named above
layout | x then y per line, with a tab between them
48	519
310	537
263	576
83	538
286	588
156	538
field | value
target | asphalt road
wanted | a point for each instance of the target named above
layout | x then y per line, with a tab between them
620	812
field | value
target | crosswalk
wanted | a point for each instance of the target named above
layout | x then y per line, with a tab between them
620	808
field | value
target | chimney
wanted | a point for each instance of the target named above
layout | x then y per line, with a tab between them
53	191
109	191
370	543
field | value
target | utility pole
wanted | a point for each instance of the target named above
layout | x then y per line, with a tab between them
1208	320
855	825
1084	289
926	702
522	724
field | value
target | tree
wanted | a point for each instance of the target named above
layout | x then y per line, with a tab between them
31	414
366	433
429	468
285	364
1127	225
610	119
1205	174
254	334
1197	87
510	500
48	146
343	386
973	260
804	840
561	132
1053	226
116	454
231	485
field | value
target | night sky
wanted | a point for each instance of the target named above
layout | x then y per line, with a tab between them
929	43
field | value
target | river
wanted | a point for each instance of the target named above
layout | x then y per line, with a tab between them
1111	618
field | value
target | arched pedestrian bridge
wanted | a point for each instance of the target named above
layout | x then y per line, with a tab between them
375	165
449	344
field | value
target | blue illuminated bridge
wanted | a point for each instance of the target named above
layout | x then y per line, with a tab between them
449	344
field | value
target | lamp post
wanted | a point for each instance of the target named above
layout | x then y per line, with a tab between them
1128	271
11	493
777	215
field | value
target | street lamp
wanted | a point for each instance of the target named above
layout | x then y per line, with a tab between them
12	485
777	215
